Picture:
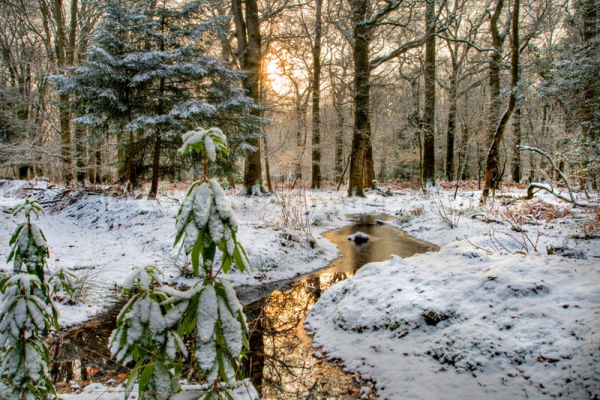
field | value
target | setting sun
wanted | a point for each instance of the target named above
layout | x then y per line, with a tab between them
273	74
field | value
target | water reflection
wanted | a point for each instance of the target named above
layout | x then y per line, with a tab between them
285	367
282	362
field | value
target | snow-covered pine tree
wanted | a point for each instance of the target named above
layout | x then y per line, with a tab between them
146	335
206	223
209	310
147	79
26	313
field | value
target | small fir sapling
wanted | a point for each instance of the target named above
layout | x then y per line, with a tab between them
151	326
205	223
27	314
146	335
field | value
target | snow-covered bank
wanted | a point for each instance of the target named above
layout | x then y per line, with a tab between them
482	318
103	237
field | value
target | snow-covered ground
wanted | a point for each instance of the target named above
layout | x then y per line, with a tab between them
487	316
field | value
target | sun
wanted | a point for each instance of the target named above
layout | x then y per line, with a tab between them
273	75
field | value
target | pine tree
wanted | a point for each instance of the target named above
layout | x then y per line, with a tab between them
148	77
26	313
209	311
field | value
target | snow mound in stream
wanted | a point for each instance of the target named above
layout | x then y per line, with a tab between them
468	325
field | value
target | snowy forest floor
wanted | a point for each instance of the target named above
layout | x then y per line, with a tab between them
508	308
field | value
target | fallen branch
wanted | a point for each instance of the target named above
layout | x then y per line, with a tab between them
534	185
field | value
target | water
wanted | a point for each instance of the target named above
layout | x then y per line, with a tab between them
282	363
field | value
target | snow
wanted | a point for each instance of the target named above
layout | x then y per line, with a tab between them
102	238
488	316
232	330
207	314
97	391
359	237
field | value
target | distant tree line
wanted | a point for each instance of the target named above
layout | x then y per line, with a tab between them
343	91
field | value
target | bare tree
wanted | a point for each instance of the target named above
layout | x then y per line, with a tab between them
429	109
491	167
316	98
247	27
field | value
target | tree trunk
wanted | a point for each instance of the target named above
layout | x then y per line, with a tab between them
362	123
339	136
63	114
155	167
451	132
99	178
429	108
316	93
492	163
130	177
463	153
79	153
267	169
495	64
516	162
249	50
590	31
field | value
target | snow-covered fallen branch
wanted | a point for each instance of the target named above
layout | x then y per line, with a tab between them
535	185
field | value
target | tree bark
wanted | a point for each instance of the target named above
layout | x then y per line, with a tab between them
362	123
429	108
155	166
339	135
63	114
316	94
249	52
452	116
590	92
492	163
495	64
516	162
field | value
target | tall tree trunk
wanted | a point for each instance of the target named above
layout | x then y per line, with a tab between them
369	166
267	168
155	166
79	152
429	108
339	136
99	178
590	31
516	162
492	163
300	138
316	95
463	153
249	50
64	114
362	123
495	64
451	132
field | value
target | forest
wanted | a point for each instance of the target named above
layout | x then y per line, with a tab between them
285	199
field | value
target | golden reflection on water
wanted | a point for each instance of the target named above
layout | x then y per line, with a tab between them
283	365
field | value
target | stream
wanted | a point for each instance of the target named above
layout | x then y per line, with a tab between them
282	363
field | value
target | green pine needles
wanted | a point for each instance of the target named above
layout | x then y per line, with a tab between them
153	325
27	314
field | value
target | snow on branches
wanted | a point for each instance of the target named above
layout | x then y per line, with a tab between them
157	318
27	314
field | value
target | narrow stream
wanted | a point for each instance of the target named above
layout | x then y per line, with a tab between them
282	363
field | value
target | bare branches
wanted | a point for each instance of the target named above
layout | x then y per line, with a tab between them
571	199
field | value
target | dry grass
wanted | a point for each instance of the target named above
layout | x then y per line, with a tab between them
417	212
541	210
593	226
295	211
